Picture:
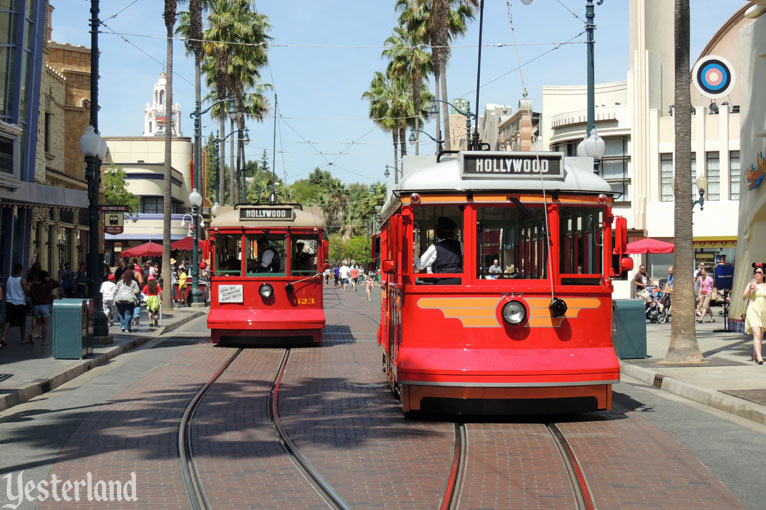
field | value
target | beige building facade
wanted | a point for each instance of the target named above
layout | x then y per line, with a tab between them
635	119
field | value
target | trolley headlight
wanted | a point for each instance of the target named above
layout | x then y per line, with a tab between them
514	312
266	291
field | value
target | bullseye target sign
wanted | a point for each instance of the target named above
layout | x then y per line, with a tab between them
713	76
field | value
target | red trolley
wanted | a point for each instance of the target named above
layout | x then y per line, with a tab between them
265	274
522	314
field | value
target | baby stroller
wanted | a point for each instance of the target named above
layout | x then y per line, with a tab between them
657	311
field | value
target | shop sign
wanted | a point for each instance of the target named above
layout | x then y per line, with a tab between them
114	223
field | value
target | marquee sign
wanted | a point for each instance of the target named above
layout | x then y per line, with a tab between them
511	165
267	213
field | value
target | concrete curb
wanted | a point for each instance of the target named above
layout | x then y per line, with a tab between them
44	386
704	396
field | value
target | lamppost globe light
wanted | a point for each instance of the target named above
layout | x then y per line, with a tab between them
412	138
233	112
433	110
246	137
214	211
195	198
102	151
581	149
386	174
90	142
594	146
702	183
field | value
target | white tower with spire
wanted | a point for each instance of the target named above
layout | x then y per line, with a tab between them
154	114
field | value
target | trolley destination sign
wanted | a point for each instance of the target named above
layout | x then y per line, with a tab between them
266	213
512	165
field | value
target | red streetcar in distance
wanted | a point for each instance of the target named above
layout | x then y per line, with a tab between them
266	273
496	284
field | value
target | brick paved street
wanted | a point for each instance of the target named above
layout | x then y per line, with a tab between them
336	406
137	431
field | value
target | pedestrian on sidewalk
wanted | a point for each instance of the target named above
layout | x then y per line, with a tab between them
40	291
153	293
16	293
81	282
705	294
755	318
107	299
126	296
66	278
369	284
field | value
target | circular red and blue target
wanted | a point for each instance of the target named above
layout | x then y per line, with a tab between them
713	76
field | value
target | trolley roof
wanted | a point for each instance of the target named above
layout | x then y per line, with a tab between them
494	171
267	216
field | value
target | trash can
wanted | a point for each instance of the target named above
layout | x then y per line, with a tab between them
72	328
629	328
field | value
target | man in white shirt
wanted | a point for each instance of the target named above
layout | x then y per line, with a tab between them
445	255
344	274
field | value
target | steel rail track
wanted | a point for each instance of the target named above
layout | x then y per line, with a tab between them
454	484
580	487
319	484
192	481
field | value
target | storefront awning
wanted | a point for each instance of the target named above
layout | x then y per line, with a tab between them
31	194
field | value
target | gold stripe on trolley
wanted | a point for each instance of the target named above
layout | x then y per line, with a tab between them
471	312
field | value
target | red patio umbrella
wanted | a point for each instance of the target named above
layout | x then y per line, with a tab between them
187	243
184	244
149	249
649	245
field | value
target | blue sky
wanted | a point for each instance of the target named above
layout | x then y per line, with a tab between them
324	56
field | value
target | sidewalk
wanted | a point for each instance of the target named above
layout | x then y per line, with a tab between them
27	371
729	381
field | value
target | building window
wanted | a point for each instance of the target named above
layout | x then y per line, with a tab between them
47	134
666	177
614	167
152	205
6	156
734	175
713	174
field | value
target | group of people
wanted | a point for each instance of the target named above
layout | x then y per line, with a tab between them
353	274
647	289
123	291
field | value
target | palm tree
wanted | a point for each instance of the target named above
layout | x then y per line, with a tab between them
381	95
437	22
234	68
170	20
683	346
408	60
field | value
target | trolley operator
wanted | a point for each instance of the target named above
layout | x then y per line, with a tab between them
445	255
270	261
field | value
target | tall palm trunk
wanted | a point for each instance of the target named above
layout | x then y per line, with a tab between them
441	105
683	346
395	137
415	84
170	21
402	142
447	133
222	160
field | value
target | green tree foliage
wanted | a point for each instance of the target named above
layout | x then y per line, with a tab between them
116	190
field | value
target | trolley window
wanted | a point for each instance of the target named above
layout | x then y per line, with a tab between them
438	244
511	241
581	247
228	255
265	254
304	255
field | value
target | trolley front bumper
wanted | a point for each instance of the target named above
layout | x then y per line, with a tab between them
259	319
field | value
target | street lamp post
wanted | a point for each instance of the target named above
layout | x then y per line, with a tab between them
197	116
94	148
195	199
593	144
245	139
412	139
433	110
387	174
702	189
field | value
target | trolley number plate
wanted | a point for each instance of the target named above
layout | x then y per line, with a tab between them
304	301
230	294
